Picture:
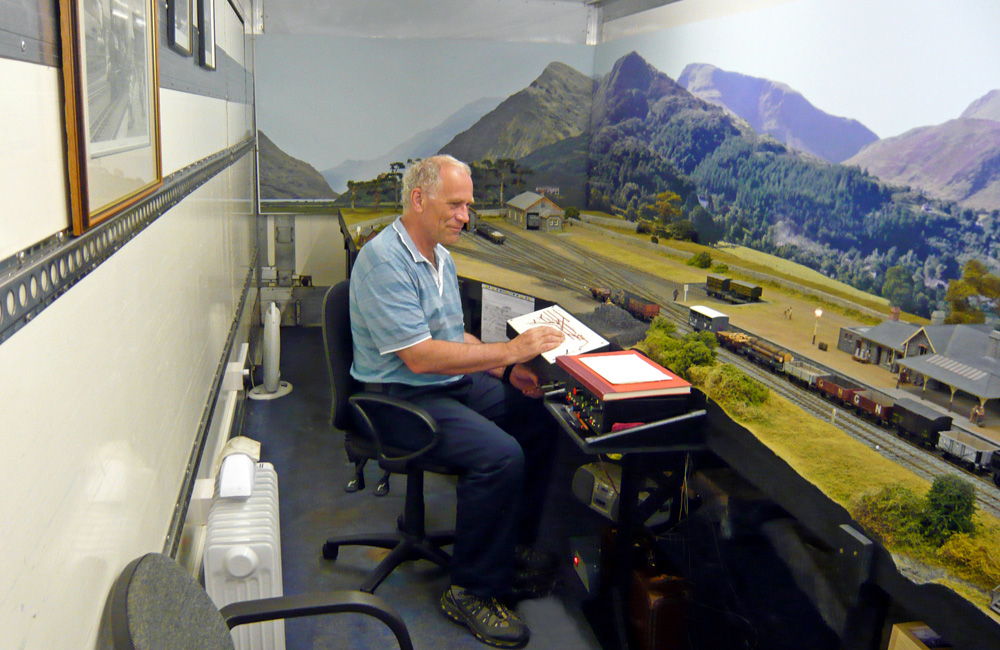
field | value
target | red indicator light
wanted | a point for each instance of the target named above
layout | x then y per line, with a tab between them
576	560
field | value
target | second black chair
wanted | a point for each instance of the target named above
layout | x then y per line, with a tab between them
352	413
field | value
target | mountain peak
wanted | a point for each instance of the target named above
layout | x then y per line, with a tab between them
554	107
986	107
775	109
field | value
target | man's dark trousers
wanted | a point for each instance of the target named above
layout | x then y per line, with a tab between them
503	443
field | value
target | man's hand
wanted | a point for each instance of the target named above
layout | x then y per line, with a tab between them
524	379
536	340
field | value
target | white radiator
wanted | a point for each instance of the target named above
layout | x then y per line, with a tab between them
243	556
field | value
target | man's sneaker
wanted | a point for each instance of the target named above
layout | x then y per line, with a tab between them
488	619
531	584
528	559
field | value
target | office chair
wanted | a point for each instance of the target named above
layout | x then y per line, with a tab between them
156	605
363	440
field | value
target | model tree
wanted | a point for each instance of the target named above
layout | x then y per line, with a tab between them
976	285
951	503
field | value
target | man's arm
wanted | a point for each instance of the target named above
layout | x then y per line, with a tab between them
451	358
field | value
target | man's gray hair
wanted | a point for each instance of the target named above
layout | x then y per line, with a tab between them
426	174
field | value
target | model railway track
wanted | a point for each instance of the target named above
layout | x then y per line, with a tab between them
580	268
577	268
911	456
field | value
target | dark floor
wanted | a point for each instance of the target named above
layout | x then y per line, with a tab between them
739	594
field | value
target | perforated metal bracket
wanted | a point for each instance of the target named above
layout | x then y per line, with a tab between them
33	279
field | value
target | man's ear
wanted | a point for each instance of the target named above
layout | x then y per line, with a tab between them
417	197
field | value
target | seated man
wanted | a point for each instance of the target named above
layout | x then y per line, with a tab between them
409	342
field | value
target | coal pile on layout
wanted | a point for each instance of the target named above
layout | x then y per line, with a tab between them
616	325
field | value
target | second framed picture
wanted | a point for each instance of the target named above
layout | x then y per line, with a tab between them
206	26
179	26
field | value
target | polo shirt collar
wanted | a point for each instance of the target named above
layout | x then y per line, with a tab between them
439	253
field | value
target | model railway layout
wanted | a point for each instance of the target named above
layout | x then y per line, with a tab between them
951	449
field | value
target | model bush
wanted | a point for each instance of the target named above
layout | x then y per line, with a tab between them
895	515
735	391
679	354
702	260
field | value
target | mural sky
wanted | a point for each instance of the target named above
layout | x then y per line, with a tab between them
891	64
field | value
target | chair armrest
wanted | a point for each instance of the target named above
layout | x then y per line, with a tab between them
363	402
337	602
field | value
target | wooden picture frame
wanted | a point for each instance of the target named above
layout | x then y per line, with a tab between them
112	108
179	32
206	25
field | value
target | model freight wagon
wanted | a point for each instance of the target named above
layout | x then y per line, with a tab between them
923	423
803	373
490	233
874	405
744	291
839	389
767	354
734	291
717	286
966	449
708	319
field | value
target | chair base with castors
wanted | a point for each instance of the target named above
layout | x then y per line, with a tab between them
409	542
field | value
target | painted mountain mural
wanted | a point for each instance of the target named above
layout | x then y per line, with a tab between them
543	129
773	108
650	135
956	161
556	106
423	144
285	177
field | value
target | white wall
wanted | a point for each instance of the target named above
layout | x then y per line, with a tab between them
32	164
103	392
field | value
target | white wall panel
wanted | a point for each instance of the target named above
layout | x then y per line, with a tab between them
103	394
32	163
192	127
319	249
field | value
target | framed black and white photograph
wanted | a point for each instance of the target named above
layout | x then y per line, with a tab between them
179	32
112	107
206	24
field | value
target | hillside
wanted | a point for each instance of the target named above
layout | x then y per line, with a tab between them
554	107
285	177
955	161
775	109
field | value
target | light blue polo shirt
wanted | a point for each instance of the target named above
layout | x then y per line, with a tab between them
399	299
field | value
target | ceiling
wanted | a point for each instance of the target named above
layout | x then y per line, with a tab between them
549	21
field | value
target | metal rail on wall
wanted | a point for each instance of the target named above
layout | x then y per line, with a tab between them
33	279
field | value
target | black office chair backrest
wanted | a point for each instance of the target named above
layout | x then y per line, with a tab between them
339	351
156	605
362	436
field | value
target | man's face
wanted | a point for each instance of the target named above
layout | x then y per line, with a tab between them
446	211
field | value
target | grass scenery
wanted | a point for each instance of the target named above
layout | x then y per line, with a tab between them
800	272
